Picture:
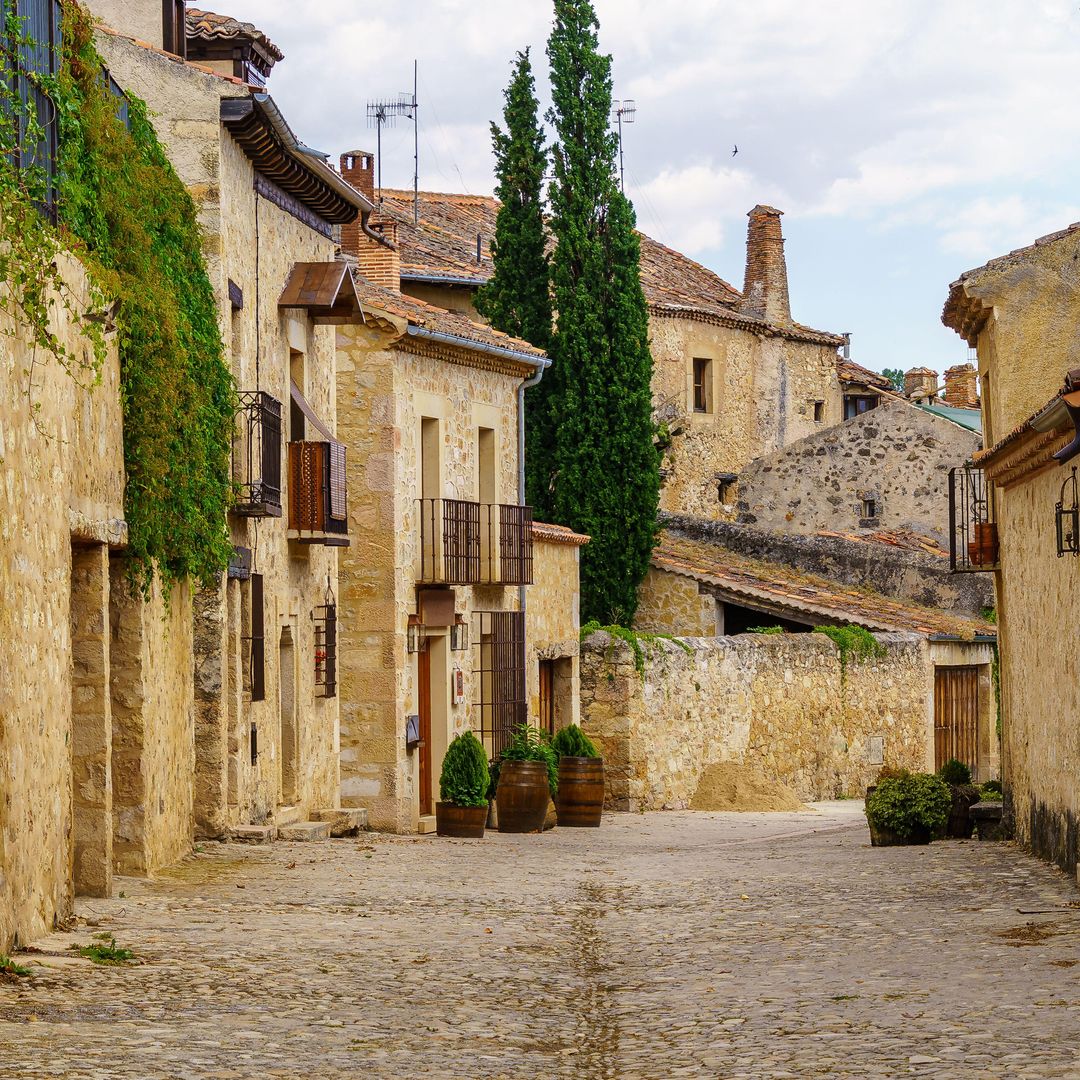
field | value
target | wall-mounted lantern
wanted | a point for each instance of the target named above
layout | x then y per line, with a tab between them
459	634
414	635
1067	513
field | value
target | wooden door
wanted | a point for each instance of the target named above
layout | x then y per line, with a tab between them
956	716
547	696
423	671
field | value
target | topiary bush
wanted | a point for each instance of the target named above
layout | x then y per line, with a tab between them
571	741
955	772
911	805
464	779
531	744
991	791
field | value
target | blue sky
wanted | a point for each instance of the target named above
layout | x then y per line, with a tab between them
906	140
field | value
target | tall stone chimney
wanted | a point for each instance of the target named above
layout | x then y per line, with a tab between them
765	291
920	383
379	262
962	387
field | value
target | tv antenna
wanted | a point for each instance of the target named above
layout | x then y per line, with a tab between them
623	113
387	112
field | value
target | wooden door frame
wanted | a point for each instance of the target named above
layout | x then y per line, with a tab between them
423	707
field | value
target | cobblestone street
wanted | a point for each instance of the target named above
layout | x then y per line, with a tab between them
664	945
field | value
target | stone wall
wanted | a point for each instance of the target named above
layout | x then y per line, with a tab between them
892	571
61	486
896	456
674	604
781	703
763	391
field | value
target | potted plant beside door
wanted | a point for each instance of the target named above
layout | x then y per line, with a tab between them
463	789
581	778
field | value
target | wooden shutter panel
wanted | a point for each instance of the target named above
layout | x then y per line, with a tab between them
258	640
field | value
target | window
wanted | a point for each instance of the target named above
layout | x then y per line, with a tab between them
499	703
486	466
174	27
702	385
726	487
255	640
869	508
857	404
819	412
325	619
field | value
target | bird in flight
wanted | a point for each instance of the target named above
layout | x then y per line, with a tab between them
735	150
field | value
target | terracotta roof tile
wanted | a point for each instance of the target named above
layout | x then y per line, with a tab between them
558	534
443	247
849	371
777	586
420	314
209	26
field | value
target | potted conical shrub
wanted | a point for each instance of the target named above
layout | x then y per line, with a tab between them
580	801
463	789
907	808
528	780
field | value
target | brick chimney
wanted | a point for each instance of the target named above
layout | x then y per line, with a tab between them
962	387
380	264
920	382
765	292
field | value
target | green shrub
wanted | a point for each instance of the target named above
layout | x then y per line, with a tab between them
765	630
464	779
531	744
910	803
955	772
991	791
571	741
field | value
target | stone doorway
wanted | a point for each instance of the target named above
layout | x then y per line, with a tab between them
91	723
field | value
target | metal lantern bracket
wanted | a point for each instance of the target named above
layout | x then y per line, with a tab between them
1067	517
459	634
415	637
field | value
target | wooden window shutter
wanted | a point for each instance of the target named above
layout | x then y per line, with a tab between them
258	640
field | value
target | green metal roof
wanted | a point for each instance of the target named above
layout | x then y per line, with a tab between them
966	418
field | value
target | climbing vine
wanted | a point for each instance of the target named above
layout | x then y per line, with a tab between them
854	642
125	214
640	643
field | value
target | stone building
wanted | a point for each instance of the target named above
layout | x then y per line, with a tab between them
456	611
788	704
882	470
266	726
735	376
1013	311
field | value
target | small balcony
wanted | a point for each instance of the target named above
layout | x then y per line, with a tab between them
468	543
317	494
256	462
973	534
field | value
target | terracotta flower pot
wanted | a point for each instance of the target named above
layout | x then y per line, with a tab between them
983	548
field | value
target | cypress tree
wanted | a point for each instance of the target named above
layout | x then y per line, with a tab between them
517	300
593	465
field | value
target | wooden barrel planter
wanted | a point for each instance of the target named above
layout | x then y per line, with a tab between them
462	821
522	796
580	799
961	825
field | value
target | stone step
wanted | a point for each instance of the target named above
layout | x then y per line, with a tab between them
347	821
253	834
288	815
305	830
426	824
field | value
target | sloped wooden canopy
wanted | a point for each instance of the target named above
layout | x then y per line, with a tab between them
325	290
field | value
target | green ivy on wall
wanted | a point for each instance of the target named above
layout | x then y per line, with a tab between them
121	198
124	213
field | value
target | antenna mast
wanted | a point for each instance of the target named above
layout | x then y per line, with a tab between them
387	112
623	112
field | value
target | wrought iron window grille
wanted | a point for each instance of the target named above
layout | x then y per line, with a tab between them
325	620
257	455
973	536
498	678
469	543
1067	517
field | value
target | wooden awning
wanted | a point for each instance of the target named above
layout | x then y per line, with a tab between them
325	290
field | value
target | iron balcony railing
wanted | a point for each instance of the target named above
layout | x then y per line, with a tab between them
257	455
973	531
317	493
469	543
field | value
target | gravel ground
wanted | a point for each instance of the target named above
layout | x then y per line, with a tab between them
662	945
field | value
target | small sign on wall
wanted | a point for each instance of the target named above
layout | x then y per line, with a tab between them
457	680
875	750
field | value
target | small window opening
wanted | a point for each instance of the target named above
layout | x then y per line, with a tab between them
702	385
726	489
869	508
819	412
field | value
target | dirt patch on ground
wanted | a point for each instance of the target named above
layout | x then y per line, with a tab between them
1028	934
731	786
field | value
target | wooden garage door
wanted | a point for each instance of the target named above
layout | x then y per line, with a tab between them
956	715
